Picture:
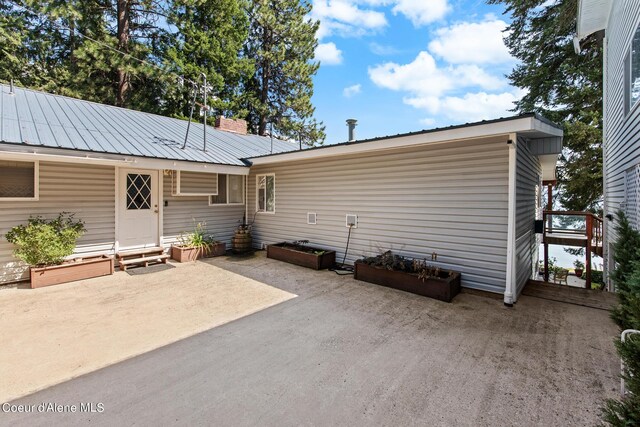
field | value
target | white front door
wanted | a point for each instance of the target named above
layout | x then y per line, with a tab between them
138	208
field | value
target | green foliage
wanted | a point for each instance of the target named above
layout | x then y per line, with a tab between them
46	242
597	279
209	39
626	277
564	86
198	238
282	41
578	264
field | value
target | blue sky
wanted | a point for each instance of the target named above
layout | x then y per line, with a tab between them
404	65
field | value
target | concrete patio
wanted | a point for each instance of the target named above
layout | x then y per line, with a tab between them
350	353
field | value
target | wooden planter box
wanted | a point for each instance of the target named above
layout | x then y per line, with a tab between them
443	289
70	271
187	253
305	259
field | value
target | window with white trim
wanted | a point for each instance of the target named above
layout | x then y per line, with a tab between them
18	180
632	73
230	190
266	193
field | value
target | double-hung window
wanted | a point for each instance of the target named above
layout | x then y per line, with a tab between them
230	190
266	193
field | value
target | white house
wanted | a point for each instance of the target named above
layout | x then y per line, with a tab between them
470	193
620	21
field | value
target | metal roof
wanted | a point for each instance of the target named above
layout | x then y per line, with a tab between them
422	132
33	118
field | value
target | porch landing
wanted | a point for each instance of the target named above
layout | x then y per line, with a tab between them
569	294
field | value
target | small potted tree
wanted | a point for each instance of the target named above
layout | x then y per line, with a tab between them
579	267
46	245
196	245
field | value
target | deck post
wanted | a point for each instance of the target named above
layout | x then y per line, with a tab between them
546	262
589	221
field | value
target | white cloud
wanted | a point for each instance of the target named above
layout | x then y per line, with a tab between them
382	49
328	54
428	121
424	78
472	43
479	106
345	18
458	92
350	91
422	12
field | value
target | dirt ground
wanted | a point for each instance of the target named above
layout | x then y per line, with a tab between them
53	334
346	352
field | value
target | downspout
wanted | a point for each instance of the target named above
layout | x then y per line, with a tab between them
510	285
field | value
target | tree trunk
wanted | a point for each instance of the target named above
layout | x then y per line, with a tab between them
123	45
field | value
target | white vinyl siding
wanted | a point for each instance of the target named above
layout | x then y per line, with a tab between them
88	191
183	212
622	127
528	177
448	198
187	183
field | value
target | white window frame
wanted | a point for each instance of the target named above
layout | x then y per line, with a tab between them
274	193
36	184
227	181
175	190
628	74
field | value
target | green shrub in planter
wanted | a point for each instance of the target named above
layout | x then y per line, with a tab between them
46	242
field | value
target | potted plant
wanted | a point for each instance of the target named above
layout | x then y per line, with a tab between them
46	244
299	253
407	274
196	245
579	267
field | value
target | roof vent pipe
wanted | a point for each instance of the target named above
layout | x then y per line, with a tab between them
351	124
11	88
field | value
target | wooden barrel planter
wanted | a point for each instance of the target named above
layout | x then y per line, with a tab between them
241	242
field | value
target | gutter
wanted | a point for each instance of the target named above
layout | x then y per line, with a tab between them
510	285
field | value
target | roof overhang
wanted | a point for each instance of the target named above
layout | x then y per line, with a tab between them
528	126
593	16
29	153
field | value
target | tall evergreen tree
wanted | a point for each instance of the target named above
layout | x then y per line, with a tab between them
209	39
282	41
564	86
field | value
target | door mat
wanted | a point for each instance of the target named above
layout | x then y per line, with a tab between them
136	271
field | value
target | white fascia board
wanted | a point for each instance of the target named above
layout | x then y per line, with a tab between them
593	16
9	152
496	129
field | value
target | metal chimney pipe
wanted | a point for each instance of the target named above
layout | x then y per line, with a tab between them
11	88
351	124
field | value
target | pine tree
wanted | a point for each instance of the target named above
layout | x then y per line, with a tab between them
626	276
564	86
282	41
209	39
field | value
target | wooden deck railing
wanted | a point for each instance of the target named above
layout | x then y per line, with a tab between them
589	237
